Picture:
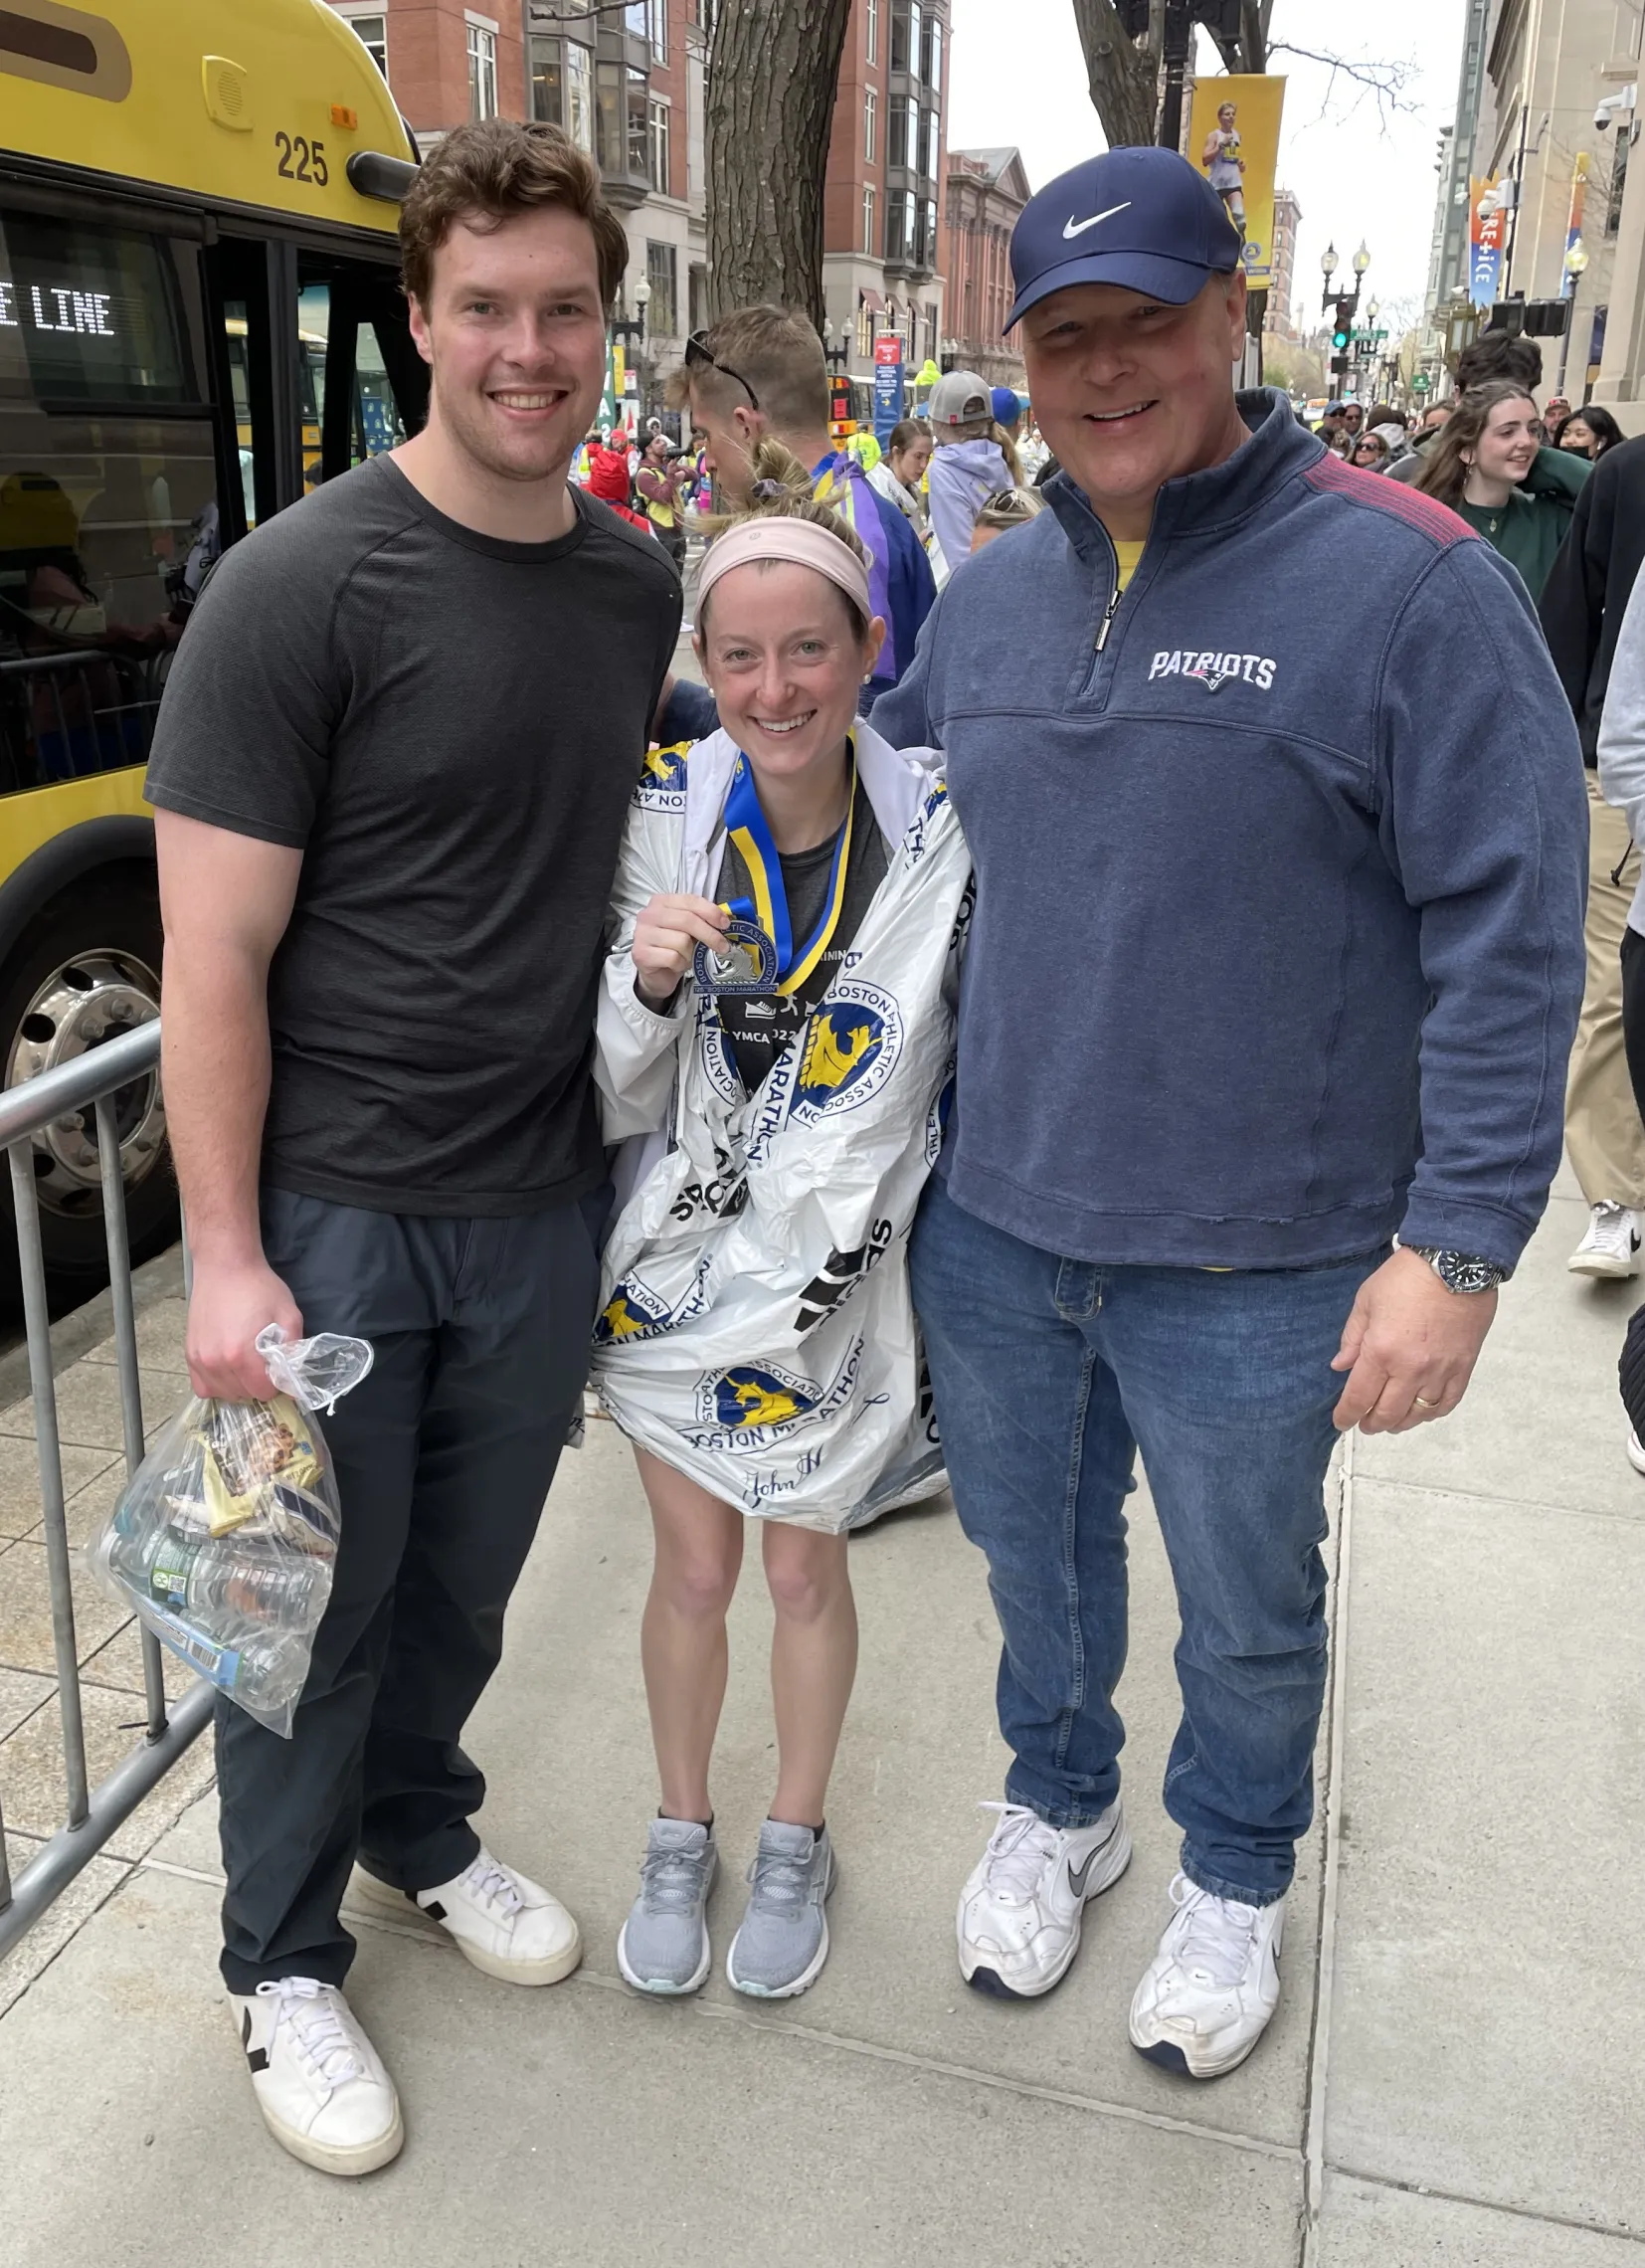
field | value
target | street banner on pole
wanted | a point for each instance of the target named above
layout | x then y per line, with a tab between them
1233	139
1573	227
1487	226
888	384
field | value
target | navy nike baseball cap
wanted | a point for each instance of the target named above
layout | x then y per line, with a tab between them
1144	218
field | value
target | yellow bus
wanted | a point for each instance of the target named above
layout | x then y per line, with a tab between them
200	318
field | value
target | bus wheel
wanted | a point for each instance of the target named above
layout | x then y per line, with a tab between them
86	970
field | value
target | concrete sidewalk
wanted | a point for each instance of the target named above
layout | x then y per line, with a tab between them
1452	2077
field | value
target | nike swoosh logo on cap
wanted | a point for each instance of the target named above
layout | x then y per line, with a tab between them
1072	228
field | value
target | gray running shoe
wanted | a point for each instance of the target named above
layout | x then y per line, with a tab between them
663	1947
784	1940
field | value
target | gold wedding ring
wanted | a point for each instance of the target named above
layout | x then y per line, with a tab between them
1421	1405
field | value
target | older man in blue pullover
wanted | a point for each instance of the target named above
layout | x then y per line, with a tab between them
1277	956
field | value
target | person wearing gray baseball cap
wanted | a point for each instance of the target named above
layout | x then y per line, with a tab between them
973	461
1276	956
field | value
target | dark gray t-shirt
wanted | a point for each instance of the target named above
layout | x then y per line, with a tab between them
448	727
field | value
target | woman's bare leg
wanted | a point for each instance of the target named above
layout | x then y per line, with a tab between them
812	1663
700	1549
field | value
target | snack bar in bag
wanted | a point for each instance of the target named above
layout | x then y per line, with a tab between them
225	1537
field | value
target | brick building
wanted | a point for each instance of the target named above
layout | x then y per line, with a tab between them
1279	318
626	84
884	235
986	190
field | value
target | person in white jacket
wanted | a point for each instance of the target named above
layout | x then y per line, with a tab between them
756	1340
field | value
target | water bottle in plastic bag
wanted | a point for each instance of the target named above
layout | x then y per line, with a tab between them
225	1537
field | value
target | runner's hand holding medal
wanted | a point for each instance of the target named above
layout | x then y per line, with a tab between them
670	930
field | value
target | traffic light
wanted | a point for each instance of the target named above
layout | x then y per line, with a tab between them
1343	331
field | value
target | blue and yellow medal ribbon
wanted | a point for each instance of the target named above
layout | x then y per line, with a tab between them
747	827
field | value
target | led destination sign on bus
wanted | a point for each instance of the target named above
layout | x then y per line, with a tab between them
55	307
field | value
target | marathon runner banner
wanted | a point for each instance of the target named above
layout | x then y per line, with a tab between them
1233	139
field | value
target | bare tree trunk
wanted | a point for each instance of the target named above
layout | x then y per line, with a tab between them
1123	77
772	74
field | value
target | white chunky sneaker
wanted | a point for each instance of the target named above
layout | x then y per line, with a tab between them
1611	1246
1206	1996
318	2081
504	1923
1024	1901
1637	1453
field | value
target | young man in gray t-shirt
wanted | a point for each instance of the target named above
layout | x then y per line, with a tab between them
391	772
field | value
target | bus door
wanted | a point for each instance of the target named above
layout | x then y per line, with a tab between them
315	359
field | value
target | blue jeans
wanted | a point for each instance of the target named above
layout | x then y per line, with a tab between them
1048	1375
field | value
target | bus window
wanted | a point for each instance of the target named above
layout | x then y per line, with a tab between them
109	516
355	349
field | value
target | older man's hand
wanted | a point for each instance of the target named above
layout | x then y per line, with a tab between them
1409	1347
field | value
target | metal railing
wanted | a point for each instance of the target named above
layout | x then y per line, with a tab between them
67	715
92	1813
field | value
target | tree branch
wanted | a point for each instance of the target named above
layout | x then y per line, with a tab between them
1387	81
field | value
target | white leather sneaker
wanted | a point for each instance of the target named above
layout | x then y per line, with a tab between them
1611	1246
318	2081
1022	1904
504	1923
1208	1996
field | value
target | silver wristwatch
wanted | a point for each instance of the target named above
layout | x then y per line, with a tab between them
1463	1272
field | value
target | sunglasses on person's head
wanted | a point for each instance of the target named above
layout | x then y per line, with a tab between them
699	355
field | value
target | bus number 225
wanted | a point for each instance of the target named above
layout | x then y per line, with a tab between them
301	160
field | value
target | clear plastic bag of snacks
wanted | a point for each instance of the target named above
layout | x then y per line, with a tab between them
225	1537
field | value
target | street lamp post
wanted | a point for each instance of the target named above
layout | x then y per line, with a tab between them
632	332
625	328
1576	259
835	349
1346	303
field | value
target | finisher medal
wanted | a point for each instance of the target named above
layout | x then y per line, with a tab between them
758	953
746	961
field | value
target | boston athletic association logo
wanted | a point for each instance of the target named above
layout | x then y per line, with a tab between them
751	1407
848	1050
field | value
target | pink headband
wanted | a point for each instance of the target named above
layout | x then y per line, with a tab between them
802	542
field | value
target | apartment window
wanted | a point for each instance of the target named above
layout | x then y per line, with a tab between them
868	221
662	275
637	18
482	71
622	124
562	88
640	124
900	211
1619	181
929	244
896	139
905	36
931	54
928	144
662	137
579	119
702	16
696	294
870	123
656	29
372	32
864	336
872	13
